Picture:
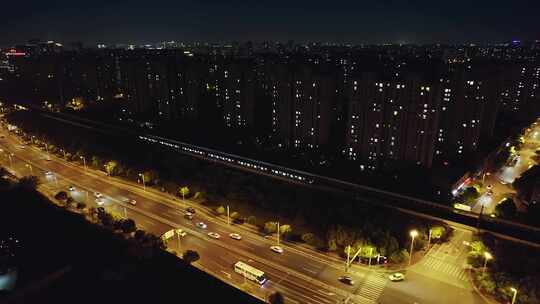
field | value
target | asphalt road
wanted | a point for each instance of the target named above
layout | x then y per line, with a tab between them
501	180
302	275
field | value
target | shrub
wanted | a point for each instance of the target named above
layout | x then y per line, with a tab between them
190	256
220	210
270	227
61	196
308	237
399	256
252	220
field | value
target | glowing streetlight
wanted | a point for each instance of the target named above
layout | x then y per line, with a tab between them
413	234
487	257
484	176
143	182
515	294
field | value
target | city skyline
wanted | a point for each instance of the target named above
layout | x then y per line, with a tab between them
346	22
270	152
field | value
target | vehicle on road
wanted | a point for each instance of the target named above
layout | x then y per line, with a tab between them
346	280
71	188
97	194
191	210
48	173
276	249
239	221
181	232
133	202
100	201
250	272
201	225
214	235
188	215
235	236
396	277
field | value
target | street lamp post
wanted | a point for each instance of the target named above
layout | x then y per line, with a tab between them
84	161
178	235
429	238
278	233
107	168
228	217
10	160
348	258
487	256
143	183
370	254
514	295
413	234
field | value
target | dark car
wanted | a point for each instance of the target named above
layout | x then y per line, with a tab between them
239	221
347	280
190	210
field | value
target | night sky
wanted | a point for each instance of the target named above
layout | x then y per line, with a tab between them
413	21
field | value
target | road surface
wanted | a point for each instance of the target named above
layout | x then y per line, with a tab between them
302	275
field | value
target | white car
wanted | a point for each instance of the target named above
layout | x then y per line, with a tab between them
48	173
396	277
128	200
214	235
71	188
201	225
235	236
97	194
100	201
181	232
276	249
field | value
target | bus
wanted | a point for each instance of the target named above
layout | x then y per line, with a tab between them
250	272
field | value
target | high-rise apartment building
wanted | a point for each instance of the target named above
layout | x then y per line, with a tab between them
235	86
392	120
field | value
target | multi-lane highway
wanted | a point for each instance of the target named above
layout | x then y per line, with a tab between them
302	275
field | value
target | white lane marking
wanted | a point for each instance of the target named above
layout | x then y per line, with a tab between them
227	274
309	270
290	300
328	293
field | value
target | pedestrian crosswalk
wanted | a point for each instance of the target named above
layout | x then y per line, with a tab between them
371	289
445	267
